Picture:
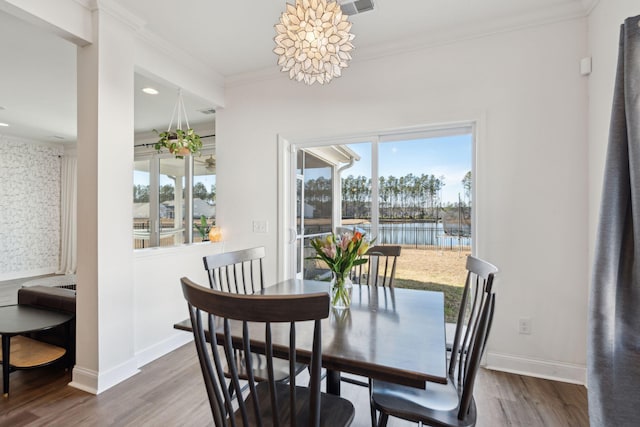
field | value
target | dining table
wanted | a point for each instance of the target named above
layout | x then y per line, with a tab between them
388	333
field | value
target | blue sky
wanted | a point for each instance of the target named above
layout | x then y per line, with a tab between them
444	156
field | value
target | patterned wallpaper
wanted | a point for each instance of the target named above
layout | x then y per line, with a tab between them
30	207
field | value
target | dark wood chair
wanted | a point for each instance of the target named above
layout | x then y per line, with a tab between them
268	403
380	269
241	272
451	404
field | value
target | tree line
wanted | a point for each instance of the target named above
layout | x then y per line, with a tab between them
166	193
405	197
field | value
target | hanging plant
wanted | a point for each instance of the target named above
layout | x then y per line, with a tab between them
179	142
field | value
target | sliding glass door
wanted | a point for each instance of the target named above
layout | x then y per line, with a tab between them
412	189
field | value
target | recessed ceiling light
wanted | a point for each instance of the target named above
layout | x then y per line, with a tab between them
4	124
150	91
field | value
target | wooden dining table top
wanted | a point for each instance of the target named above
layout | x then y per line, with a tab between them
390	334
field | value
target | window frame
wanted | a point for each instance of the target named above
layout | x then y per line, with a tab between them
154	158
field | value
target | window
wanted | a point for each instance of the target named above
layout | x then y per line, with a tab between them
410	188
170	198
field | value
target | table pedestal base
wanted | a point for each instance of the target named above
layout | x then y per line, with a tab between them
333	382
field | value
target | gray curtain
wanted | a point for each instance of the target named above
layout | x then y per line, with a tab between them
614	323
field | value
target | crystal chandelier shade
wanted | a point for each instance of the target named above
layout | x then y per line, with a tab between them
313	41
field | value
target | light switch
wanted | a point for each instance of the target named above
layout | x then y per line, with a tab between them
260	226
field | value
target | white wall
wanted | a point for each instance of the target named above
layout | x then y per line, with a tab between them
530	101
30	214
158	299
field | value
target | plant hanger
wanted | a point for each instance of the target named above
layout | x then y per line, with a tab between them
180	109
179	142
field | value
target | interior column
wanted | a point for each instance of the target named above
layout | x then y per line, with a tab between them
105	319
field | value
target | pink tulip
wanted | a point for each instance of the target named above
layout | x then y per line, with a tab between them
344	242
329	251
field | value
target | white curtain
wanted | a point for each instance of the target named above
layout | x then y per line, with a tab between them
68	216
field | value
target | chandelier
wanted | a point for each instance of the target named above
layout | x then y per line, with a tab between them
313	41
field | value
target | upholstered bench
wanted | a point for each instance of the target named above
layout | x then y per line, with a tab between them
51	298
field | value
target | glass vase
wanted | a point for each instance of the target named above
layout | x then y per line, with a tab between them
341	290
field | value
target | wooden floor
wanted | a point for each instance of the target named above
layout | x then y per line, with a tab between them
9	289
170	392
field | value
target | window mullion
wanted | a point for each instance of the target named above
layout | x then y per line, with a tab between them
375	181
188	199
154	202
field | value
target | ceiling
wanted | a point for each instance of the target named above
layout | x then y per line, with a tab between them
235	40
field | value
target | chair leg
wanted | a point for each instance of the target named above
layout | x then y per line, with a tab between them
372	408
374	421
384	418
231	389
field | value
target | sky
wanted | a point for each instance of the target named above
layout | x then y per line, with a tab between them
443	156
448	156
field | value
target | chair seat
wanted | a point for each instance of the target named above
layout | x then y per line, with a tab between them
334	410
437	405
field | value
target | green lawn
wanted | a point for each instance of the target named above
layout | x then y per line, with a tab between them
452	295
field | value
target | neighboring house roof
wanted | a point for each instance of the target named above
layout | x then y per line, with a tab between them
200	207
141	210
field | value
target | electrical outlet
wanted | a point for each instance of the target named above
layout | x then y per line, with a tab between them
524	326
260	226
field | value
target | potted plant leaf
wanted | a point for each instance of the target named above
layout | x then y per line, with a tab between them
179	142
203	228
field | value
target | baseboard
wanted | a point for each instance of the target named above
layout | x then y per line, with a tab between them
27	274
95	383
156	351
551	370
84	379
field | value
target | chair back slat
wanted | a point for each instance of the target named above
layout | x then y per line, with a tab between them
213	377
236	272
292	375
223	308
246	346
475	356
380	267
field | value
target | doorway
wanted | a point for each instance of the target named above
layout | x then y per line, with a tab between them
410	188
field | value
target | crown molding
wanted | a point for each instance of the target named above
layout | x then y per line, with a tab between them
118	12
138	25
87	4
417	42
179	55
537	18
256	76
589	5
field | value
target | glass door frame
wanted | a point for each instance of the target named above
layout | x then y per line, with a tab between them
287	176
